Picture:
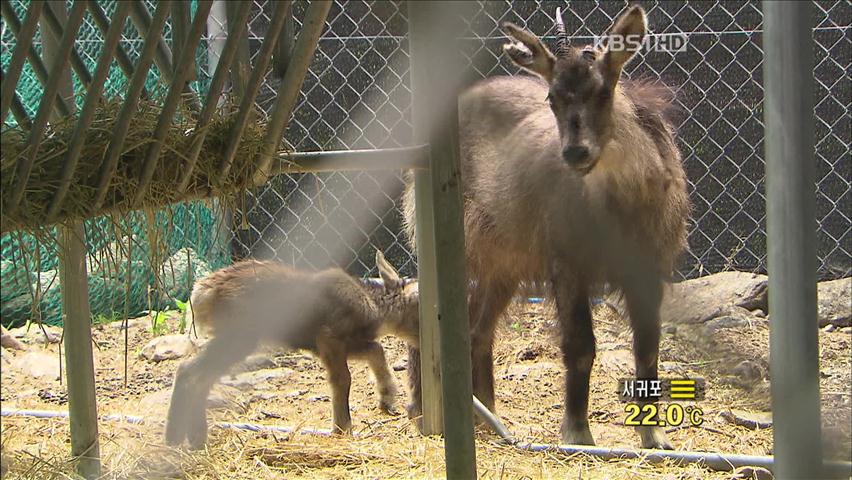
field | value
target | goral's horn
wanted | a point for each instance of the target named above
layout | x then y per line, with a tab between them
561	35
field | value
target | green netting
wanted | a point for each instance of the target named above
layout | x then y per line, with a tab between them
134	263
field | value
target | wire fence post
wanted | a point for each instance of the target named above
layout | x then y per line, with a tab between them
791	238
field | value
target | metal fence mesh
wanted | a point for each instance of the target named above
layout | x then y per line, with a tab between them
357	96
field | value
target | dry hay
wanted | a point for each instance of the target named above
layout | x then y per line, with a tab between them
162	190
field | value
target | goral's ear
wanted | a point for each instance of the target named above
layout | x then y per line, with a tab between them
626	37
389	275
528	52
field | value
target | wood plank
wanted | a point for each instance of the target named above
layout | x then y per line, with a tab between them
77	62
102	22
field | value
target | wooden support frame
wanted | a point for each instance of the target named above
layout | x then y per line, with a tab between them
48	99
131	100
24	36
102	22
93	97
74	285
288	91
76	61
62	107
236	30
282	9
436	75
185	63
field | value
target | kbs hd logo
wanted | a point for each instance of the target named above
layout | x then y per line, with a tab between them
655	42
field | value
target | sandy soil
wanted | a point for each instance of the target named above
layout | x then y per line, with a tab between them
529	383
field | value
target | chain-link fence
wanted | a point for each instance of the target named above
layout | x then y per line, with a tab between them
357	95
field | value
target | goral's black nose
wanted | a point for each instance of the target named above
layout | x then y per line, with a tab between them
575	154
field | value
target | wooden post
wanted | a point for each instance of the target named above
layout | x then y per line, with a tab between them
430	346
436	73
74	285
791	238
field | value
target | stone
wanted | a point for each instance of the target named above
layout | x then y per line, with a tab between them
520	372
255	362
319	398
750	420
701	299
732	317
168	347
528	353
829	328
8	341
38	364
226	398
834	302
400	365
256	379
749	371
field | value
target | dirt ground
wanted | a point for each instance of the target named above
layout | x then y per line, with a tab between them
529	386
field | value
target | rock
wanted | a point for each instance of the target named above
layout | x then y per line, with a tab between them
829	328
179	272
748	371
168	347
319	398
528	353
846	330
49	335
758	313
8	341
751	420
38	364
732	317
256	379
672	367
834	302
295	393
701	299
400	365
227	398
255	362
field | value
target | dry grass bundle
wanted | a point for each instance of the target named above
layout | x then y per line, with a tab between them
78	203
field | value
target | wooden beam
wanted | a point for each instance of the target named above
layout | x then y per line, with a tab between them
181	21
62	107
131	101
242	63
286	43
211	103
74	285
25	164
24	39
186	62
102	22
288	91
77	62
93	99
163	59
436	70
431	399
276	23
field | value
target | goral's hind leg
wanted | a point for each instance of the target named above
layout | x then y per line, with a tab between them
374	354
488	300
187	416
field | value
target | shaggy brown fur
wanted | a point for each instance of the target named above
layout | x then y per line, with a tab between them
327	313
572	178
